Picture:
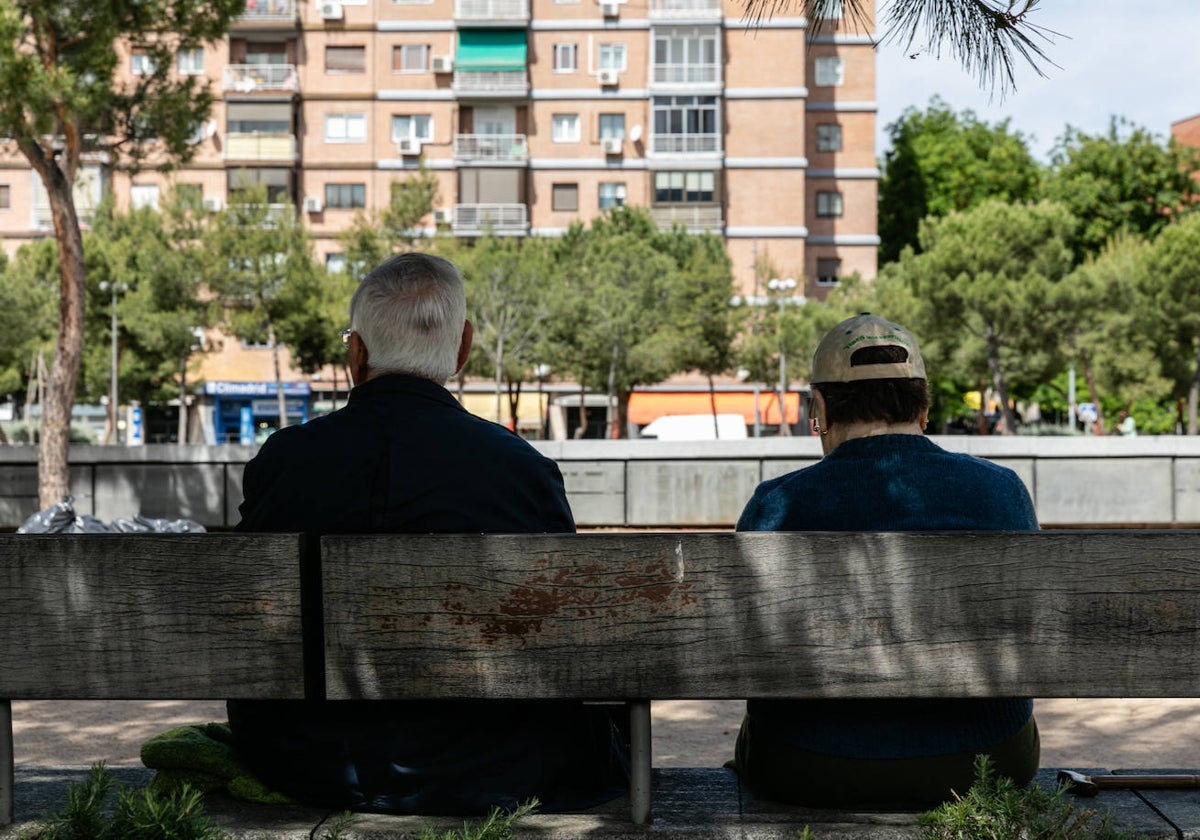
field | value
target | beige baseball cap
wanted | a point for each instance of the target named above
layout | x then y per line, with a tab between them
831	362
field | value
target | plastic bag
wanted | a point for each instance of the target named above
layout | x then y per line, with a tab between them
62	519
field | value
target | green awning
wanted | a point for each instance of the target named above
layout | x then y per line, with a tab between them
490	50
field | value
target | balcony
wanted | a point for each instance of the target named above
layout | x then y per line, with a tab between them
677	144
693	217
491	148
685	74
267	13
500	219
260	78
706	10
503	83
260	146
505	12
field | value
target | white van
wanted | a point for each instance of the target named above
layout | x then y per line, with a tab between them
696	427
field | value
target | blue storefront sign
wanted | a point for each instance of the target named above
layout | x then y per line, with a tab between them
243	412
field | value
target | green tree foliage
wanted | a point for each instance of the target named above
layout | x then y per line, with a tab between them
28	294
375	235
508	301
942	161
259	262
984	281
60	100
155	259
1125	179
1171	284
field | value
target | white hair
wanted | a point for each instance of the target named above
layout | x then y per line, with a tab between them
409	311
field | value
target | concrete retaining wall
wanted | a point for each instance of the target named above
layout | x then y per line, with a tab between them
1096	482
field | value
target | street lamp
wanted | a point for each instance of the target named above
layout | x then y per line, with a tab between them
781	289
750	300
116	289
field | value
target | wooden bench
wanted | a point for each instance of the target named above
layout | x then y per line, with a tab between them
629	617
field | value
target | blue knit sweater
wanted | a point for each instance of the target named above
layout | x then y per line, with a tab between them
891	483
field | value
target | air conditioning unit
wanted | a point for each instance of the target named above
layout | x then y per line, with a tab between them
312	204
443	216
608	77
611	145
443	63
610	8
214	204
409	146
329	10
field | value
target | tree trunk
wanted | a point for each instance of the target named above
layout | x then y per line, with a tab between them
53	453
712	403
610	429
1000	383
581	429
181	435
280	397
1090	378
514	398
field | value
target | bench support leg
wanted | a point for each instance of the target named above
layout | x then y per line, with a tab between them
7	767
640	754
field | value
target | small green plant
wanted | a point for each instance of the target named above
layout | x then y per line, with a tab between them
498	825
90	814
996	809
343	821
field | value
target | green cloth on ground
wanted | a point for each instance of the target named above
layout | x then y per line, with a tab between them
203	756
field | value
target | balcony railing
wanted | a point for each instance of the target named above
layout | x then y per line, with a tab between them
694	217
260	146
497	10
256	78
268	11
673	144
473	219
491	82
686	74
687	9
491	147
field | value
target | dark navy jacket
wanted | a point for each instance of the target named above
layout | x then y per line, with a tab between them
404	456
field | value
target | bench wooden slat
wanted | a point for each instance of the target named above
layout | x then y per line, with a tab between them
150	616
1049	614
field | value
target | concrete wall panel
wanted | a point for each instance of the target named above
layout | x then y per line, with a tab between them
596	491
1187	492
161	491
1100	491
689	493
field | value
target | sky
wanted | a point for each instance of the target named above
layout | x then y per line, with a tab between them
1132	58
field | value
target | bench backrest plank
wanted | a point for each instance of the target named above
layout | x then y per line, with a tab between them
1048	614
144	616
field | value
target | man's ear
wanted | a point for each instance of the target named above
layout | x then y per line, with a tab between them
359	368
464	349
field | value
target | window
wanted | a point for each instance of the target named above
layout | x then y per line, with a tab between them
412	127
686	54
5	196
258	118
345	59
612	194
612	126
143	195
684	187
830	71
612	57
564	128
564	197
190	62
828	271
566	58
829	137
345	196
410	58
829	204
335	263
141	64
685	124
278	183
345	128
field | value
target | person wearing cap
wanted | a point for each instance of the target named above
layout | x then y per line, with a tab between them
870	406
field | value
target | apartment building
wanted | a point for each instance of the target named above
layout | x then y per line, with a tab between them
532	114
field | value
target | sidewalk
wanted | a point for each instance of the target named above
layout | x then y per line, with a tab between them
55	742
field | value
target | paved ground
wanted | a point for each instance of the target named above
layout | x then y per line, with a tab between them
1075	733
